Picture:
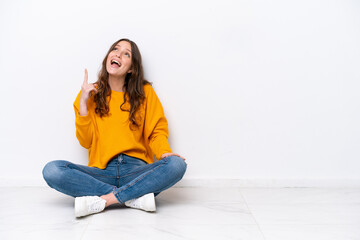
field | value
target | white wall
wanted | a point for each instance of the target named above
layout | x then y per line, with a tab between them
251	89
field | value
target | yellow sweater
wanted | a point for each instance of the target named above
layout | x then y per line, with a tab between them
110	135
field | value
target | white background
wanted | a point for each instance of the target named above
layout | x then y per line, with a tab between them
251	89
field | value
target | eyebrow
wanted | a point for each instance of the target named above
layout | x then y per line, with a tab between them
120	46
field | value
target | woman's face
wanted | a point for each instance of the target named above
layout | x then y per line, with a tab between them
118	62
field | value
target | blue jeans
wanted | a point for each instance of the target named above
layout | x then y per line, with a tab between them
127	177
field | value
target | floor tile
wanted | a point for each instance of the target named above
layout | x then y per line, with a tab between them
29	205
300	195
174	231
303	205
61	231
311	232
306	213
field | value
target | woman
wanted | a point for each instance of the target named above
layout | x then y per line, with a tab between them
120	120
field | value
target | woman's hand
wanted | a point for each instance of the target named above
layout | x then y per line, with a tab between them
86	90
171	154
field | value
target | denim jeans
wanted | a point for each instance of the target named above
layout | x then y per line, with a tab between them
127	177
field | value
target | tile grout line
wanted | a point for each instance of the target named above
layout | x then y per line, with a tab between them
257	224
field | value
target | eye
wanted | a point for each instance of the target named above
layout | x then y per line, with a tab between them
127	54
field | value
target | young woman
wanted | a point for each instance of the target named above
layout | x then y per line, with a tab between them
121	121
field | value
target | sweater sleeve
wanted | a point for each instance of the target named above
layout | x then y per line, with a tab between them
156	125
83	124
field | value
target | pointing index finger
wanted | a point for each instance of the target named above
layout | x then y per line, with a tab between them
86	76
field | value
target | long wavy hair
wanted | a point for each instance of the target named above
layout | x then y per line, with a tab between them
133	86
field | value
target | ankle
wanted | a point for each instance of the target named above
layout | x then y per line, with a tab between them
110	199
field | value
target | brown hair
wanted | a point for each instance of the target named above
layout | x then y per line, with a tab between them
133	86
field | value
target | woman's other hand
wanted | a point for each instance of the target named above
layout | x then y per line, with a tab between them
170	154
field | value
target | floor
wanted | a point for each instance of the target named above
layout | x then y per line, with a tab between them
188	213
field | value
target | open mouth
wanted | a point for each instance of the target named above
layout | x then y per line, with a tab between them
115	63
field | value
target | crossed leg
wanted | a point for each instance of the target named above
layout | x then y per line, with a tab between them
79	180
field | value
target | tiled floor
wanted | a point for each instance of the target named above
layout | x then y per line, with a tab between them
188	213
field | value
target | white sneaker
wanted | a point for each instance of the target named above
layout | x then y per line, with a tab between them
88	205
146	203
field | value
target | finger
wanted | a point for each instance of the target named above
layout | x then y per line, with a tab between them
86	76
179	155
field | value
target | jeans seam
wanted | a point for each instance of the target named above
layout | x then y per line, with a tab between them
140	178
116	196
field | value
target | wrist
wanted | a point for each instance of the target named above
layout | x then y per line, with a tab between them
83	100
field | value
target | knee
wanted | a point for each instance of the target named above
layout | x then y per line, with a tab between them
52	171
177	166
